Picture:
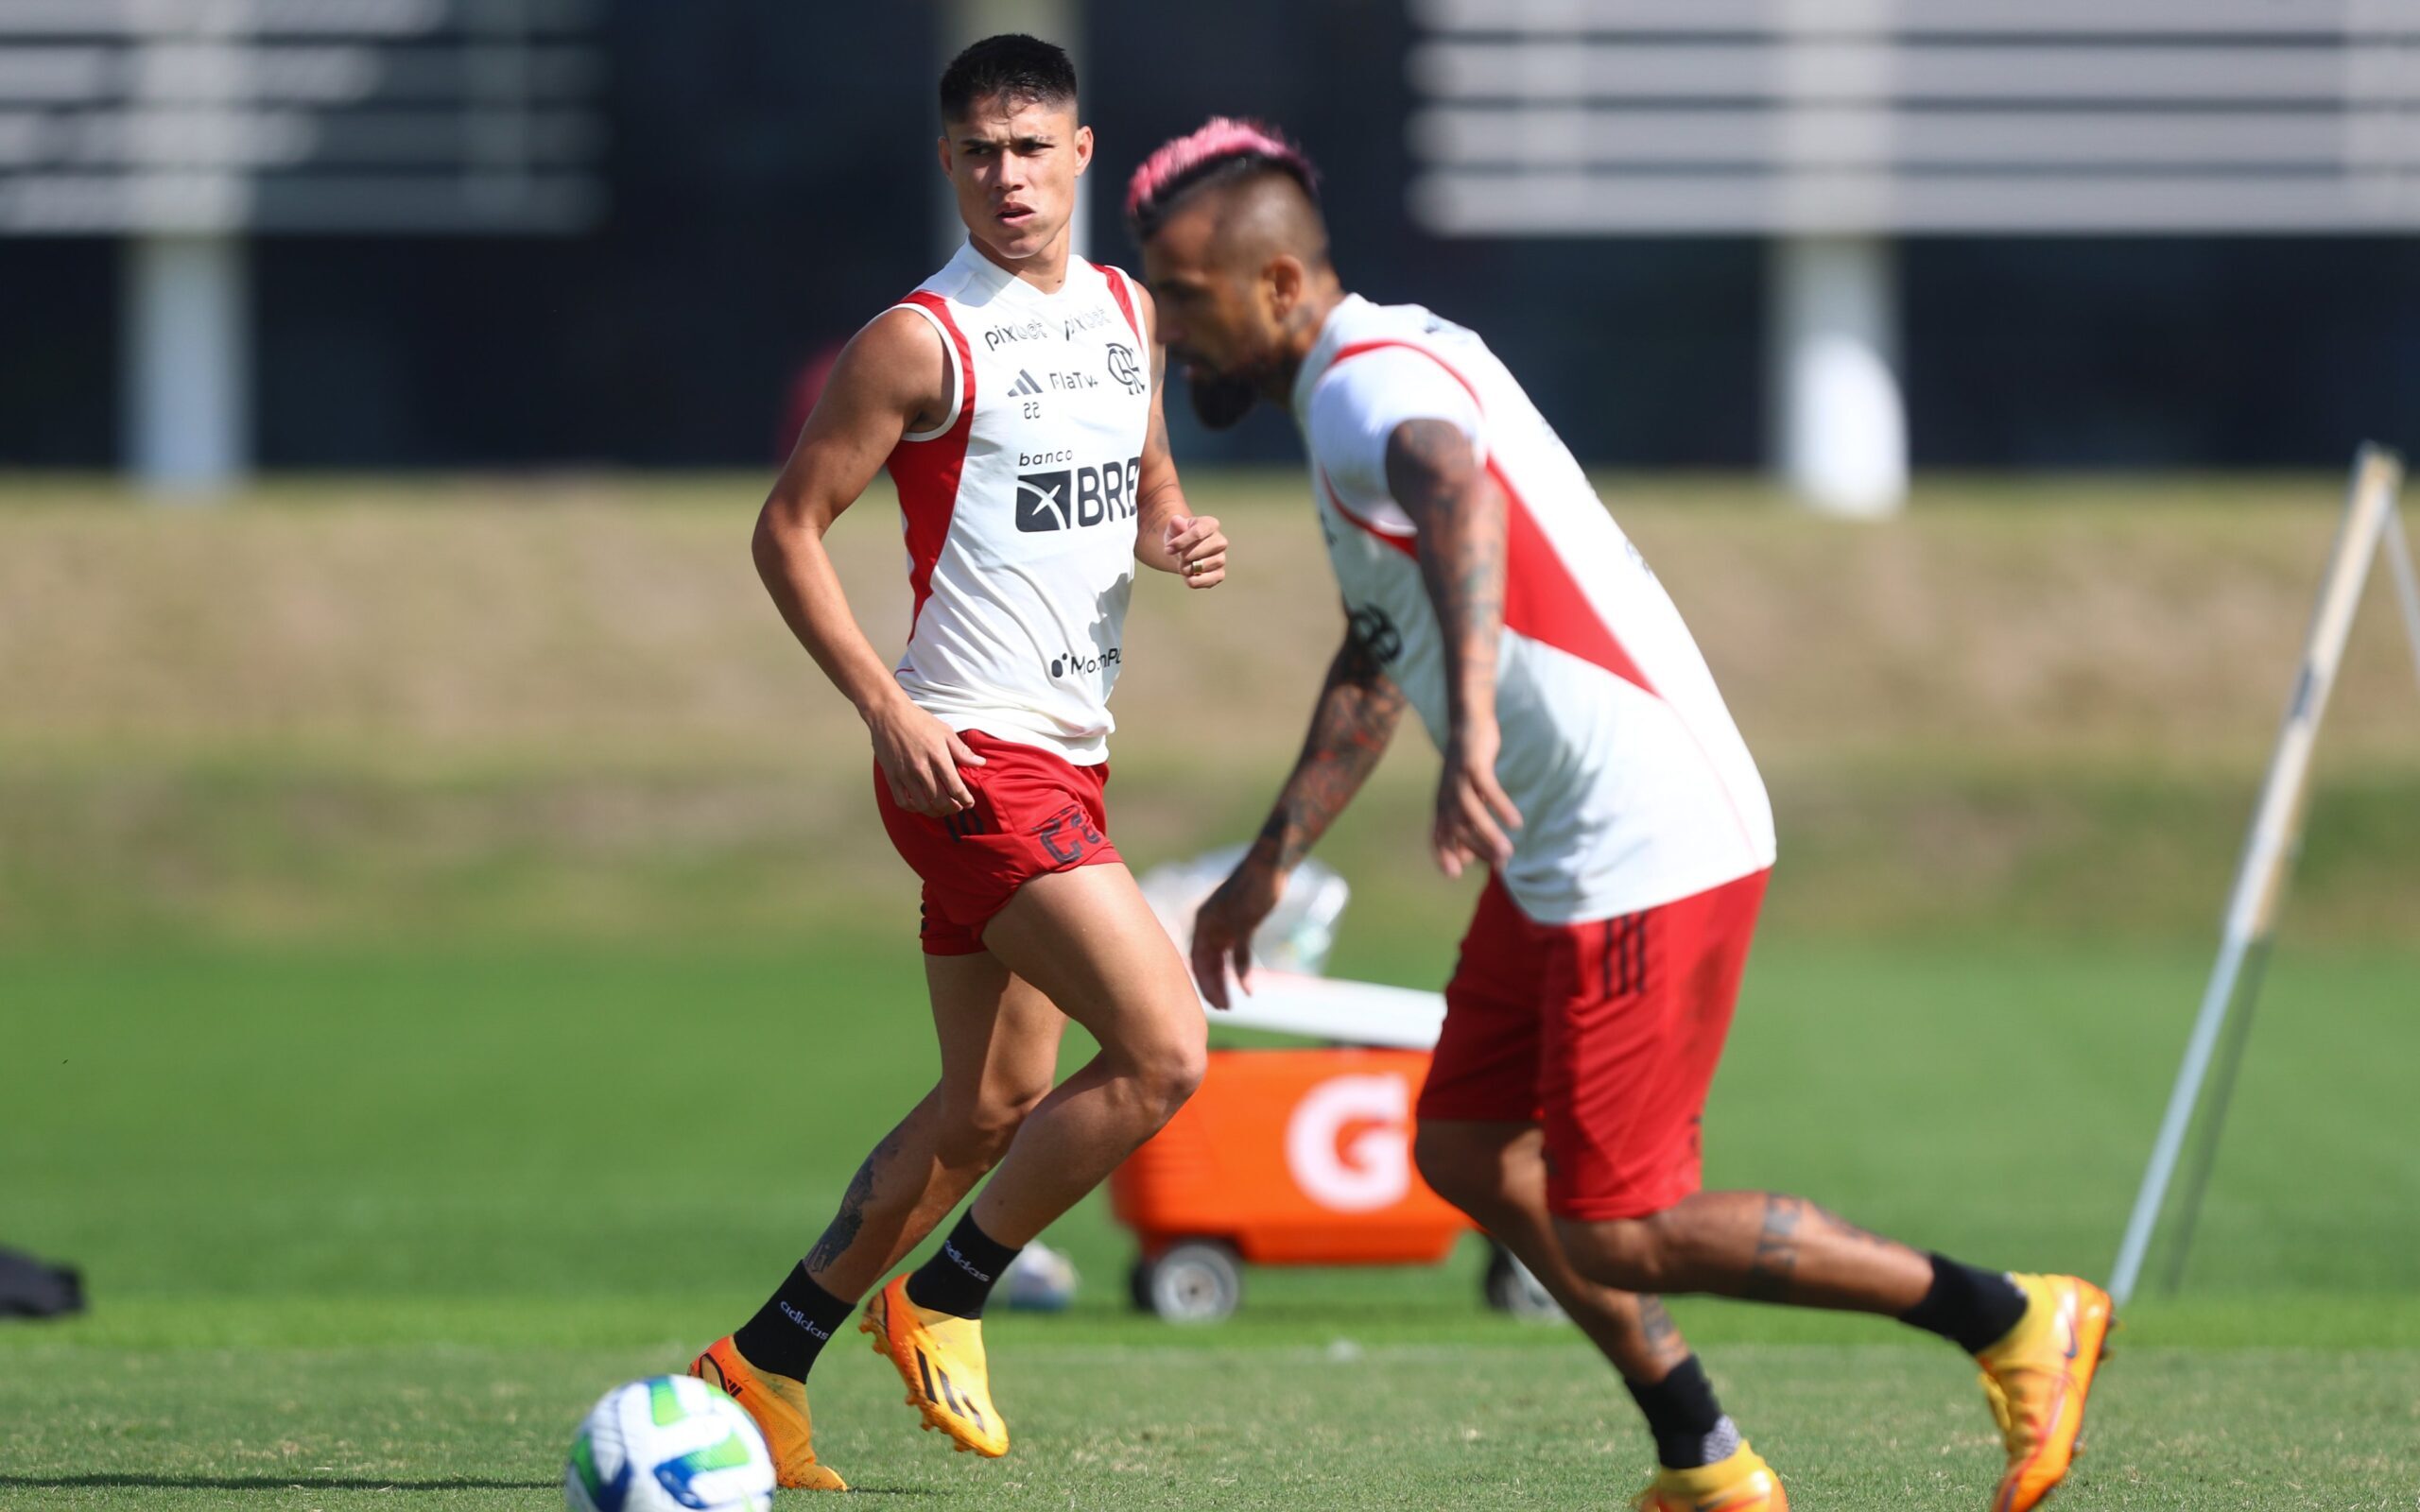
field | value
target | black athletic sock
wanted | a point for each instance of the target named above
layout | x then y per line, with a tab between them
1689	1427
960	1274
793	1326
1972	1309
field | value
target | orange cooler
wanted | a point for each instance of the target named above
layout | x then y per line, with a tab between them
1283	1158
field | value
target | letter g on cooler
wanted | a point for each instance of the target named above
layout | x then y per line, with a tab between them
1370	1170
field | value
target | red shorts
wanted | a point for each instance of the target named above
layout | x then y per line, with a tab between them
1606	1033
1034	812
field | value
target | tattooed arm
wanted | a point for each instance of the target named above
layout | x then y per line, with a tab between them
1356	713
1435	476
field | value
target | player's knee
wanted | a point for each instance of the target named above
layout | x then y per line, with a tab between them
996	1117
1169	1068
1470	1177
974	1145
1175	1073
977	1131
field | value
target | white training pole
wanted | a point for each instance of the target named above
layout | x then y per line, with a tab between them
2407	581
2261	880
2215	1098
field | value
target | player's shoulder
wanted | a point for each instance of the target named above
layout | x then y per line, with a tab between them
1363	336
903	332
897	362
1128	289
1413	331
1114	275
1387	367
1384	354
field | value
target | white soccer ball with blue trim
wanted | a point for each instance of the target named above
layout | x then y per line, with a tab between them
673	1444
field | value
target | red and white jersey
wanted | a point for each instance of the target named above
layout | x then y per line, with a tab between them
1633	785
1019	506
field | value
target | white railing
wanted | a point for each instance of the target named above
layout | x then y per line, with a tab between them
209	117
1875	117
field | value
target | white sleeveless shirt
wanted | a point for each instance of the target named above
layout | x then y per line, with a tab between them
1019	507
1634	784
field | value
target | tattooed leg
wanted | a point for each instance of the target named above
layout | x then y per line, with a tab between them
1760	1245
999	1044
896	1198
1776	1258
1659	1340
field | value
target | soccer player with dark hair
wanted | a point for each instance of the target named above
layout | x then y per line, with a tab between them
1014	398
1591	766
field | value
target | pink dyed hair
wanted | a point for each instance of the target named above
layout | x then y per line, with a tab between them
1219	143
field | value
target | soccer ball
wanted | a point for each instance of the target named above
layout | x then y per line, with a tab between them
673	1444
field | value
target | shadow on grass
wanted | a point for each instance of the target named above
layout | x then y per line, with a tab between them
331	1482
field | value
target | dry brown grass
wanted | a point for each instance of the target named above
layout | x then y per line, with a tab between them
610	622
464	697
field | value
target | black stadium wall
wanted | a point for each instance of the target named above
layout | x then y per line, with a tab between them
772	186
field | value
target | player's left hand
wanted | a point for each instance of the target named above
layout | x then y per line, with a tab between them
1198	550
1474	815
1222	929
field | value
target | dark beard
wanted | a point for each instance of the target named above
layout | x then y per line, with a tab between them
1221	400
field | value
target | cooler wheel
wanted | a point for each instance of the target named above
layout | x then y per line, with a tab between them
1193	1281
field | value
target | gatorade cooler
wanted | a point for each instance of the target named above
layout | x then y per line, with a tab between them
1287	1157
1293	1157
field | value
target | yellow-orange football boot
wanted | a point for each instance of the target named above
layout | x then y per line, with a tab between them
2037	1380
939	1356
779	1405
1742	1483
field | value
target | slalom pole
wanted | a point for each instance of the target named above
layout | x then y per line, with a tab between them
2407	582
2267	851
2214	1118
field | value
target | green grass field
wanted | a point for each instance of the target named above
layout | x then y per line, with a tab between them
444	971
360	1222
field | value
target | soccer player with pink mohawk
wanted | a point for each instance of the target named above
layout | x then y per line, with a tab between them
1591	766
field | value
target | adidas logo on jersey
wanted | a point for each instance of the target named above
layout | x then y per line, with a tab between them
1073	498
1025	384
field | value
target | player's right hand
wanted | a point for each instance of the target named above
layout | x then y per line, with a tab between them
920	757
1473	816
1222	930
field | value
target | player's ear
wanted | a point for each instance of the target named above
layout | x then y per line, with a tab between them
941	146
1084	149
1283	278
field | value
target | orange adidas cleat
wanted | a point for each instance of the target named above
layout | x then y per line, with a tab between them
941	1358
1742	1483
779	1405
2037	1380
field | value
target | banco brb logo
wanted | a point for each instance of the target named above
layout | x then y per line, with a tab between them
1074	498
1373	1168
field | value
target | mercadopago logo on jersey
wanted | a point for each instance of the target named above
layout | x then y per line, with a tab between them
1073	497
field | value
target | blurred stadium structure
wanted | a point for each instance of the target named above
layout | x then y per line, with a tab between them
1959	233
189	125
1835	125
